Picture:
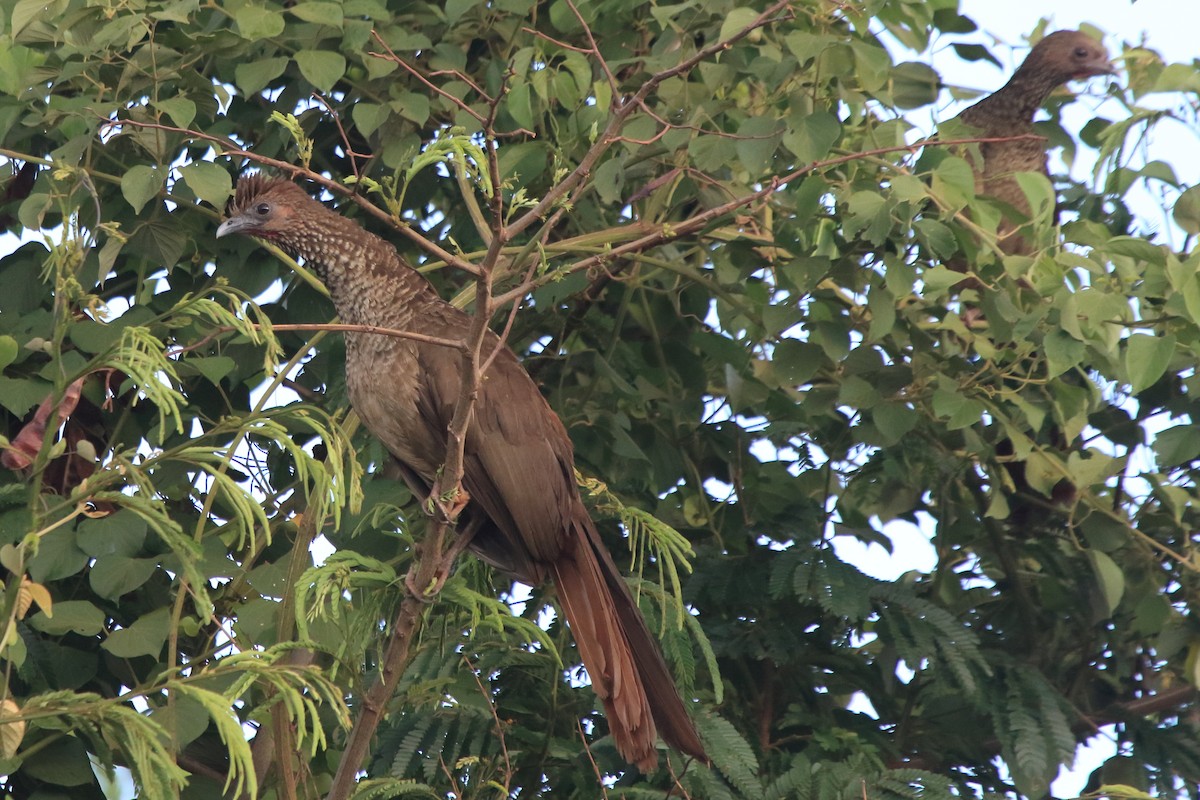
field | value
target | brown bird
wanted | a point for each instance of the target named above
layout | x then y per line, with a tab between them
1059	57
519	471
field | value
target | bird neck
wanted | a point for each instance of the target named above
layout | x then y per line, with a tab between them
1019	99
367	280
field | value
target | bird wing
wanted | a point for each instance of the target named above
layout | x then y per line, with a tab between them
517	460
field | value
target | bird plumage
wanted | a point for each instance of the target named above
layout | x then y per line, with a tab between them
518	466
1009	111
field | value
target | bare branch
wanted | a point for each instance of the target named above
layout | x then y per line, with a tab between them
678	230
329	326
433	87
623	109
229	148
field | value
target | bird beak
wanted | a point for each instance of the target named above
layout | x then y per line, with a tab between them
1101	66
238	224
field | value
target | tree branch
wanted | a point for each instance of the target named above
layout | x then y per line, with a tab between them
678	230
229	148
621	113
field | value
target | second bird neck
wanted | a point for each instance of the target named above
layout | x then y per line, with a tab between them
1018	101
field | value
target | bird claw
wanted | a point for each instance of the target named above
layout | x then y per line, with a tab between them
427	594
448	504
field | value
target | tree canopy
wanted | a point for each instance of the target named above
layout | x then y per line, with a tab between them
705	229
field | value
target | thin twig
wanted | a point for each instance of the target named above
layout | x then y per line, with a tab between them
453	344
491	704
230	148
433	87
595	49
678	230
622	110
351	153
595	768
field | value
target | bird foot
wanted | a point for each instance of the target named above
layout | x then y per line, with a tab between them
449	504
442	574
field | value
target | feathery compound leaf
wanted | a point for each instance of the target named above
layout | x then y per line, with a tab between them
241	775
391	788
650	539
795	784
109	725
491	613
922	629
731	754
322	591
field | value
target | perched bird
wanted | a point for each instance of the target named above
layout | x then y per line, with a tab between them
1059	57
519	474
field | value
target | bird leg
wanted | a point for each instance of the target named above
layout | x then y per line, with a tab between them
442	510
441	570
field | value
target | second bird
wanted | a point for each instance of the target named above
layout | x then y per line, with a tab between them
1009	111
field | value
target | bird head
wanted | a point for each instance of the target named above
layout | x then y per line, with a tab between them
267	209
1071	55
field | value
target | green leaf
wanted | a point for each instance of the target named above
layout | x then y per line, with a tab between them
1187	211
954	181
609	180
937	237
1109	577
214	368
139	184
17	69
184	720
119	534
113	576
737	20
1147	358
8	351
321	68
26	11
255	22
914	84
413	106
145	637
20	396
454	9
810	136
64	762
160	241
180	109
1062	353
894	420
757	139
938	280
321	13
210	182
369	116
254	76
70	616
57	557
1177	445
519	104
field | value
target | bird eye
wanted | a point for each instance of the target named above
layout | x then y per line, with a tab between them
1081	52
262	209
